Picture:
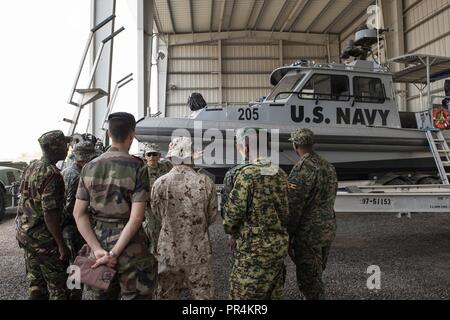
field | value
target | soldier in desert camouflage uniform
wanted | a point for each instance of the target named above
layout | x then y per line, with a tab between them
186	203
254	215
83	152
312	222
115	188
156	168
39	218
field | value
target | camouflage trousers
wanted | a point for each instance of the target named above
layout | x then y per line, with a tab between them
74	241
196	278
136	267
256	281
311	261
152	228
46	273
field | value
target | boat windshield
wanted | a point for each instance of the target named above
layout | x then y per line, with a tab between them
286	85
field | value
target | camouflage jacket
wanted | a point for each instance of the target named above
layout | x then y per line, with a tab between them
42	191
186	203
312	192
164	166
255	213
228	183
71	176
111	183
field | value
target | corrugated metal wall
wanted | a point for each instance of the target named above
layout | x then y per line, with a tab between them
247	63
246	66
191	68
427	31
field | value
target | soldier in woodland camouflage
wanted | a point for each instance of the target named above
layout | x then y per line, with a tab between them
39	218
83	152
312	222
115	188
254	214
156	168
185	201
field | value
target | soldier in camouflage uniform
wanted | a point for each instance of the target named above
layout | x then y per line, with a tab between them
156	168
115	188
254	214
99	148
186	203
312	222
39	218
83	152
228	183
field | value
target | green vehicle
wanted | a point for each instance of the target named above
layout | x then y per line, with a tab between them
9	183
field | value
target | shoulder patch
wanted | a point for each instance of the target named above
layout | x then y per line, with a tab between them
293	186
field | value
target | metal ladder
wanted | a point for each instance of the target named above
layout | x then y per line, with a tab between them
88	95
441	153
119	84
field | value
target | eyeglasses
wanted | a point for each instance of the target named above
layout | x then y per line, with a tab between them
152	154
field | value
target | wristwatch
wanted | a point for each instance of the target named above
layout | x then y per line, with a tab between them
112	254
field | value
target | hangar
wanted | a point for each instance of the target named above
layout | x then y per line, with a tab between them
226	49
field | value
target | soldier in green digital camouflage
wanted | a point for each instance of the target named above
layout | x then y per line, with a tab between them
312	222
114	187
83	152
228	183
39	218
255	214
156	168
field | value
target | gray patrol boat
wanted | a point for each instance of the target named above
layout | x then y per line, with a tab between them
351	108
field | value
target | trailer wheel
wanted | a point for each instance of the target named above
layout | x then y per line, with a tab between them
396	181
429	180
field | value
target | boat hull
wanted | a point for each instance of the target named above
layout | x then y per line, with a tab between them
356	152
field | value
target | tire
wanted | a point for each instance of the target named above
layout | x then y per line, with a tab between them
429	181
396	181
2	203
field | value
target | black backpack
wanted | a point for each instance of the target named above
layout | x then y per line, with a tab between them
196	101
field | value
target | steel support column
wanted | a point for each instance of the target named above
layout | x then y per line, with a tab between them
145	47
162	74
100	10
219	64
280	52
394	41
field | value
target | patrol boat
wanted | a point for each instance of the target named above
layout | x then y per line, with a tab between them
351	108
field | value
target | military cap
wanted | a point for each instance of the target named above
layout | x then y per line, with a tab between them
128	117
152	147
302	137
84	151
54	139
180	147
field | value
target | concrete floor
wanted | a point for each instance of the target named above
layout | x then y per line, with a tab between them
413	256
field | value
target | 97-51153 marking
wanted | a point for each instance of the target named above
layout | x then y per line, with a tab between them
377	201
